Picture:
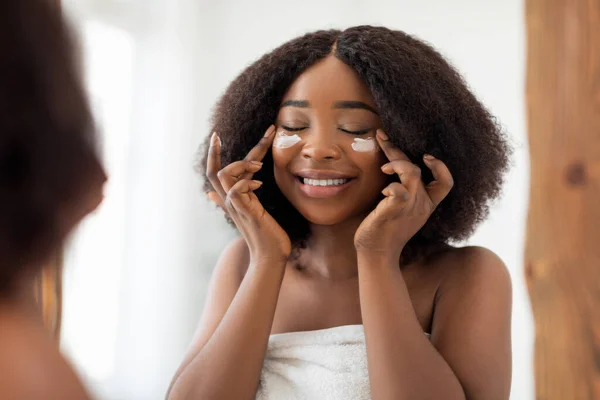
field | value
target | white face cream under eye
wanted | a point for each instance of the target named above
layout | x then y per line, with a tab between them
368	145
285	140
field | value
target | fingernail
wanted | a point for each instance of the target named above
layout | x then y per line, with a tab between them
214	139
259	183
386	166
382	135
258	163
428	157
270	131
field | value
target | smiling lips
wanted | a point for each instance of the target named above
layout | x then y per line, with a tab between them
323	184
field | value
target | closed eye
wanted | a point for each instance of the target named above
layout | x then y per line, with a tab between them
361	132
350	132
290	129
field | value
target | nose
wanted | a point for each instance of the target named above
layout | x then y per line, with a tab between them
321	145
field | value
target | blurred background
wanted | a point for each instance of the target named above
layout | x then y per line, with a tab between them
136	272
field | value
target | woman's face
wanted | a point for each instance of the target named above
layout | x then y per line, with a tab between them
326	159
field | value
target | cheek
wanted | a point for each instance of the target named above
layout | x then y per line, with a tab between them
284	149
370	164
281	160
282	157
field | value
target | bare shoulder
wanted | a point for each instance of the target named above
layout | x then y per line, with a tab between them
458	268
474	265
473	278
31	366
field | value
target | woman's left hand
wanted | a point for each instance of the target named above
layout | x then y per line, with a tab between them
407	205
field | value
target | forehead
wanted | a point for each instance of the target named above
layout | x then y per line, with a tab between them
328	81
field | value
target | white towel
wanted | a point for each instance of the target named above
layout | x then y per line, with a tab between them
326	364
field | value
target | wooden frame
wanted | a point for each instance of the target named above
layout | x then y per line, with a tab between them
562	257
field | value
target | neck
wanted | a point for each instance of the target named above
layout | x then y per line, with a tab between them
20	298
330	250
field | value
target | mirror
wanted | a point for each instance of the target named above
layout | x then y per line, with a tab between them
136	273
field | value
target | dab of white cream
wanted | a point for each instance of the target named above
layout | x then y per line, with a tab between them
284	141
364	145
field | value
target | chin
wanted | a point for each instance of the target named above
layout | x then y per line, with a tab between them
330	215
326	219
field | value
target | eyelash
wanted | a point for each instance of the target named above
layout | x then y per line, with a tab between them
357	133
287	128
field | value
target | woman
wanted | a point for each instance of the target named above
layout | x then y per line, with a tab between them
372	156
50	178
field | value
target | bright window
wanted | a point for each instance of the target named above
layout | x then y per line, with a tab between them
94	258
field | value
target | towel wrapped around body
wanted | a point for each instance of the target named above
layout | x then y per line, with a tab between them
323	364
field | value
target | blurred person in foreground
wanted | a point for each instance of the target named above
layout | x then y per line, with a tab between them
50	179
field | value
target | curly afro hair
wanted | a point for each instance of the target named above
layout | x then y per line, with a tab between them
48	161
424	105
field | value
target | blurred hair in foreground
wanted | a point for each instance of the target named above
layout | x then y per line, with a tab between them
50	173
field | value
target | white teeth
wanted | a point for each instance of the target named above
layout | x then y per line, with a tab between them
324	182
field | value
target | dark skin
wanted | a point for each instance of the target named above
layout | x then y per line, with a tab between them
349	272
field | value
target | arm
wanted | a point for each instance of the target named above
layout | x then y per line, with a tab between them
234	330
469	353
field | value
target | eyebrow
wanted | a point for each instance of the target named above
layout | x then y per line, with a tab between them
354	104
347	105
295	103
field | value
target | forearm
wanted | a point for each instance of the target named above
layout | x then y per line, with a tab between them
230	363
402	362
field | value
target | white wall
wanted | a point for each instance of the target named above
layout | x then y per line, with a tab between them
185	52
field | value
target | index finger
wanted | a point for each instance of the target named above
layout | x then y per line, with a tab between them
213	166
259	151
443	182
392	152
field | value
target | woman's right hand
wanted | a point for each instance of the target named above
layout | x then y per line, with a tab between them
234	193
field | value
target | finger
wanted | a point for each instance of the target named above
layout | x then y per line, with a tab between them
443	182
236	171
396	200
409	173
391	152
213	165
242	198
215	198
259	151
397	190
